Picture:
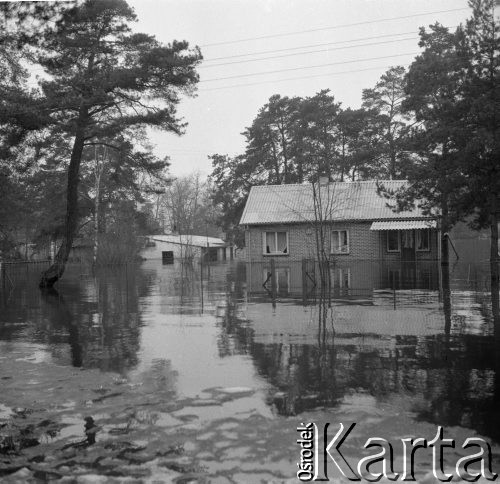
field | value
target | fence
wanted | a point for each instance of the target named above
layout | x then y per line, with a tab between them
377	281
13	272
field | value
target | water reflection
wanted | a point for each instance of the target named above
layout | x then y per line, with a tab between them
92	320
427	350
61	317
437	360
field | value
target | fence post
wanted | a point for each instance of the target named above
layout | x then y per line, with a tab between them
329	283
273	281
304	282
201	283
394	288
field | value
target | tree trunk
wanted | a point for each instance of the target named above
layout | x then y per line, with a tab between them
96	220
56	270
445	264
495	298
495	279
445	227
446	290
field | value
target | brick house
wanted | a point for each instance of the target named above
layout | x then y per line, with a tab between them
280	224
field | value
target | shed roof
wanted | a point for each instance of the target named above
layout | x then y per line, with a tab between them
339	201
193	240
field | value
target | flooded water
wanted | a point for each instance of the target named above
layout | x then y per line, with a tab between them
197	374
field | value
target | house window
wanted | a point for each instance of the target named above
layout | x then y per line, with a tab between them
276	243
423	240
340	242
393	241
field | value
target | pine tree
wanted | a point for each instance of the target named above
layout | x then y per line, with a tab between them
102	80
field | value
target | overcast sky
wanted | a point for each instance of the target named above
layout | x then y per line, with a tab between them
341	45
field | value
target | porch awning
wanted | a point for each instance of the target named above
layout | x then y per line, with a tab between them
404	225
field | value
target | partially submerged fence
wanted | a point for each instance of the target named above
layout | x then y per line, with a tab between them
377	281
14	271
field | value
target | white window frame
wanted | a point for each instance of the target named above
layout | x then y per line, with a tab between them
428	231
392	251
336	250
264	245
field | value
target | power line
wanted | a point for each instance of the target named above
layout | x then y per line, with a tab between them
307	52
366	22
307	67
295	78
40	69
308	46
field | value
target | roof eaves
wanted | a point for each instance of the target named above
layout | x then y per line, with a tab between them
344	220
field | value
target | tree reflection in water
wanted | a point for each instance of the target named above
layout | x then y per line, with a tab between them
97	317
61	316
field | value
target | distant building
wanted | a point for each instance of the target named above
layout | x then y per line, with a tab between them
281	222
170	248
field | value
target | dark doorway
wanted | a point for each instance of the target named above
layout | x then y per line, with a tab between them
212	254
167	257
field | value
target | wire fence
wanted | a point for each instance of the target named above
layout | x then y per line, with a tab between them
359	281
379	282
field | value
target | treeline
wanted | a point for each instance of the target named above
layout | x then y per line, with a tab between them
435	124
74	157
294	140
114	206
185	207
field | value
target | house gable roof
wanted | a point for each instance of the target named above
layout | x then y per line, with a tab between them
340	201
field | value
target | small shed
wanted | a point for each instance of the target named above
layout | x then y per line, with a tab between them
172	247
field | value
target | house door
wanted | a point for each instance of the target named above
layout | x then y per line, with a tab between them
407	245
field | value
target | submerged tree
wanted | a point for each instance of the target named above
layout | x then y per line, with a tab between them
103	79
434	96
453	89
482	94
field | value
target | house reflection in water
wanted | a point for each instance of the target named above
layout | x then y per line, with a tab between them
361	349
355	279
373	355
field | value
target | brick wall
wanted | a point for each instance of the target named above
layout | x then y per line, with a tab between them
364	244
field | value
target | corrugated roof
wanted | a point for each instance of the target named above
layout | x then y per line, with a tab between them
294	203
193	240
404	225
